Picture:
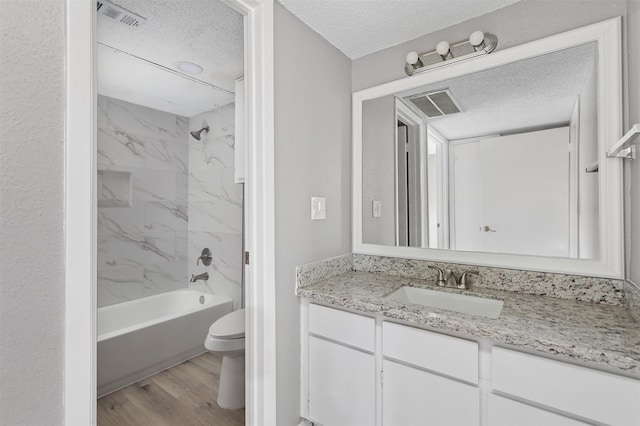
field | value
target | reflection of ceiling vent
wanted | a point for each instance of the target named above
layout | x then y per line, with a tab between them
120	14
435	104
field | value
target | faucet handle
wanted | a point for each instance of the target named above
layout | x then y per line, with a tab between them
205	256
463	279
440	282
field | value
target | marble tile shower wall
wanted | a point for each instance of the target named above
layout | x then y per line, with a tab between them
215	203
142	249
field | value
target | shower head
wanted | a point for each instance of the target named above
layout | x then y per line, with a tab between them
197	134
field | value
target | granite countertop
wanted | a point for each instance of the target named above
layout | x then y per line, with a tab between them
598	335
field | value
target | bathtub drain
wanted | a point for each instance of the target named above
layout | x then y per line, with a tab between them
202	300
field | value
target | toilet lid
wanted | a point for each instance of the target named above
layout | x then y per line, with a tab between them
230	326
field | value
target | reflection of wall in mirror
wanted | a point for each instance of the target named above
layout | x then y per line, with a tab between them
378	137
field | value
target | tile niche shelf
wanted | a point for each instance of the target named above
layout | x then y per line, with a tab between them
115	188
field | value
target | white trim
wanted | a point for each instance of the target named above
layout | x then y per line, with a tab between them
408	116
607	34
442	155
80	214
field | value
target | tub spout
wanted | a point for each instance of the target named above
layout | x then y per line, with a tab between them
195	278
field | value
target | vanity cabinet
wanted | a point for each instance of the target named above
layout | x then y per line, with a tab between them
365	371
341	368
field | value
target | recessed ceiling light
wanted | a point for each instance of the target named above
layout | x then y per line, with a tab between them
189	67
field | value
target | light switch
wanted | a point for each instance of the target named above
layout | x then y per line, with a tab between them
377	208
318	208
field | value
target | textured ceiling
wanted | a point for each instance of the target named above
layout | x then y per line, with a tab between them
206	32
536	92
360	27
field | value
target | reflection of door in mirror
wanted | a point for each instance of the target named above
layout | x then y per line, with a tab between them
509	193
411	229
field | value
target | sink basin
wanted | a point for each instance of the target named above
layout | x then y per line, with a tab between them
489	308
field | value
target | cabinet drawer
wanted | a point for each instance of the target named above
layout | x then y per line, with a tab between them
444	354
506	412
592	394
351	329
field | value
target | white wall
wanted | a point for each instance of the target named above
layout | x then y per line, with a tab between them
32	87
312	158
142	248
215	203
378	171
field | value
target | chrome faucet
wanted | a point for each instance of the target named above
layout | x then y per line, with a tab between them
463	279
448	279
440	282
195	278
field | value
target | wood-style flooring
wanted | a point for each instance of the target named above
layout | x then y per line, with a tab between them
184	395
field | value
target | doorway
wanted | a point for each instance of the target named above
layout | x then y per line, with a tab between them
81	197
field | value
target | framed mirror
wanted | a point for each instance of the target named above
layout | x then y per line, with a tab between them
499	160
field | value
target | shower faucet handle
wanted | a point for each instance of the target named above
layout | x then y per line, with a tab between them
205	257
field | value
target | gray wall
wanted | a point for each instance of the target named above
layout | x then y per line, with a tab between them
633	174
312	158
516	24
31	212
378	171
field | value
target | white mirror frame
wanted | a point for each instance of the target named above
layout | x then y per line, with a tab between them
607	35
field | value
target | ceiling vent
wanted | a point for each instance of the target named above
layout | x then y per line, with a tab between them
436	104
120	15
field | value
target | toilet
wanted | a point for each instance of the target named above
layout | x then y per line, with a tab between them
226	337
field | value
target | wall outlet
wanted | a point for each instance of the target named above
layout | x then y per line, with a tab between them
318	208
377	209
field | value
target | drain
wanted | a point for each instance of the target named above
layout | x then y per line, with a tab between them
202	300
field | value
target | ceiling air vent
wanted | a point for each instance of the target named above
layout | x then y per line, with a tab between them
120	14
436	104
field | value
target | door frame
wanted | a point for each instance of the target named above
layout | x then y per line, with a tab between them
418	135
80	211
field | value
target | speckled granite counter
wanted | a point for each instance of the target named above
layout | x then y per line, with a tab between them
598	335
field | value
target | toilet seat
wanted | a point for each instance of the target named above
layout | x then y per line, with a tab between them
230	326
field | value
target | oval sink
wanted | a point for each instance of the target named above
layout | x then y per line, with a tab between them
462	303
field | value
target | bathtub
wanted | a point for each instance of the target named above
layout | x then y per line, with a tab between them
141	337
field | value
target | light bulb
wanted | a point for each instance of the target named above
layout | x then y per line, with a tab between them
442	48
476	38
412	58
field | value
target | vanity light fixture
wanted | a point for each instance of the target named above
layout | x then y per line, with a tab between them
479	43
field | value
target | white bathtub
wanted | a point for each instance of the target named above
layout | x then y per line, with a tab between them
142	337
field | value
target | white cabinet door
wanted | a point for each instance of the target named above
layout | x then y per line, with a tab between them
412	397
341	385
506	412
